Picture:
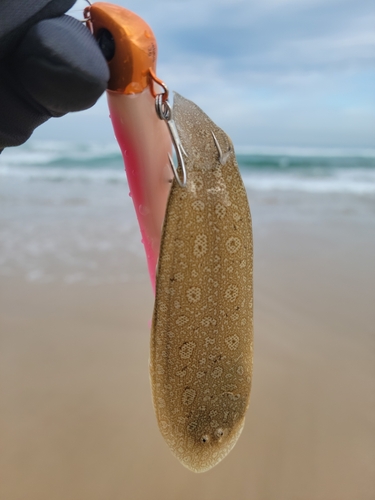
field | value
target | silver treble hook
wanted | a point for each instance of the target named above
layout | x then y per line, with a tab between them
164	112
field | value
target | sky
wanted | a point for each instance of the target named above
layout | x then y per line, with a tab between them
271	73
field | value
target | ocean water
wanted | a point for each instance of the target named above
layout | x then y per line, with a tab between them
65	213
265	169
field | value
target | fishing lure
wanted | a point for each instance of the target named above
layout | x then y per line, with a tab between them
202	328
145	142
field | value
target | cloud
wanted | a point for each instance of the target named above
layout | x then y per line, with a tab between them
277	39
299	72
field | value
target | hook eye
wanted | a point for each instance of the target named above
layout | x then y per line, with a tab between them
164	112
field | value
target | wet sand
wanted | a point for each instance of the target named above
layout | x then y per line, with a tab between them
76	414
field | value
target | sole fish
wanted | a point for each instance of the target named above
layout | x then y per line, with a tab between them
202	328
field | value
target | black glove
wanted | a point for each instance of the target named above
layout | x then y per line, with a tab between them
50	64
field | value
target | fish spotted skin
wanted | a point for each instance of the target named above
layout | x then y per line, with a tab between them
202	330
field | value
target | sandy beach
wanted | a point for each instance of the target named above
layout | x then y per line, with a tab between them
77	421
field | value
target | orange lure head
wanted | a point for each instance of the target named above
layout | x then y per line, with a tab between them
127	42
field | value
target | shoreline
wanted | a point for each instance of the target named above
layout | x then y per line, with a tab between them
76	412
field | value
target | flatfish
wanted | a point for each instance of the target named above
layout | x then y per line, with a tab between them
202	328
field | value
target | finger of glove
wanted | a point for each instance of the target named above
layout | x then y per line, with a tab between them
61	66
17	16
18	116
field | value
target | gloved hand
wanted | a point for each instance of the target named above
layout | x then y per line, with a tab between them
50	64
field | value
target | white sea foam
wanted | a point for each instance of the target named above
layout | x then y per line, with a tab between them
350	181
323	170
306	152
65	213
62	174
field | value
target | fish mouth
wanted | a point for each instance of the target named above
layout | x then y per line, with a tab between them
206	452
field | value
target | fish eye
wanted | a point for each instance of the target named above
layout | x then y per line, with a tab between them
205	439
219	433
106	43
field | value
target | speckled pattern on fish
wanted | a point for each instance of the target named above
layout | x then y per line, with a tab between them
202	331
